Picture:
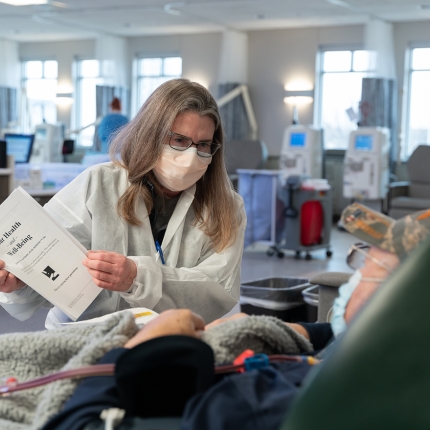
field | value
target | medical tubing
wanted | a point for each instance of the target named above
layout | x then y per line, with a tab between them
82	372
228	368
109	370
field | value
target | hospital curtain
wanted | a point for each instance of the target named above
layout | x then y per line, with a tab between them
378	105
8	106
232	73
378	108
233	115
9	82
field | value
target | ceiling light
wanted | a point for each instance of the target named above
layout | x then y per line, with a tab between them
24	2
424	6
260	16
339	3
171	8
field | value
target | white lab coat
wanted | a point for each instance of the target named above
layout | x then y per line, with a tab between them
194	276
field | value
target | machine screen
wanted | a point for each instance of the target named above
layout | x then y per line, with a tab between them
41	133
298	140
363	142
19	145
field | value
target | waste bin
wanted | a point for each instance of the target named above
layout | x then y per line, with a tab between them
279	297
311	298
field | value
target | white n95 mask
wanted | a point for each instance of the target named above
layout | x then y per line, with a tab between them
338	323
178	170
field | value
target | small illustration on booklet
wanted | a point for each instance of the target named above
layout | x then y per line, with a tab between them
48	271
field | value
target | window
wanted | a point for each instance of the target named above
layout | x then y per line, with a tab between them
418	105
87	78
152	72
341	73
39	78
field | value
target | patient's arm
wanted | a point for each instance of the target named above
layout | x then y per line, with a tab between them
299	329
296	327
171	322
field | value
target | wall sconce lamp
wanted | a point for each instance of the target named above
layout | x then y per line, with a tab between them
298	98
64	98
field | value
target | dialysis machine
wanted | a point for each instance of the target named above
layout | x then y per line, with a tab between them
306	198
366	167
301	152
48	144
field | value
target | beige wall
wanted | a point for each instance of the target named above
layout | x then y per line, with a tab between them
276	57
200	54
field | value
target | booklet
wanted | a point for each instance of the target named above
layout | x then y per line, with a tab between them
142	316
44	255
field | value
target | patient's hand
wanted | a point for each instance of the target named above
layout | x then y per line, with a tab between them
9	282
171	322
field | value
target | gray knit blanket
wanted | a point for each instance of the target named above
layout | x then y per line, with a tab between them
29	355
262	334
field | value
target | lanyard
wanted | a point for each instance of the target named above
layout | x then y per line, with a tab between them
160	251
159	235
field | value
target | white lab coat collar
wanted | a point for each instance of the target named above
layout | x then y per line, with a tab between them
178	216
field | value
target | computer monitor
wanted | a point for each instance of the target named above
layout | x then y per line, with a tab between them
298	140
20	146
363	142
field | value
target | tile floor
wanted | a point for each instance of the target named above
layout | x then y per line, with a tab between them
256	265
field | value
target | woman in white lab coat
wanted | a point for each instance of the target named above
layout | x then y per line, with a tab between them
164	224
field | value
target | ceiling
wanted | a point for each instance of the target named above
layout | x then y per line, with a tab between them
77	19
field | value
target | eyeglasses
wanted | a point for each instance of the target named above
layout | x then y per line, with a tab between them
181	143
357	255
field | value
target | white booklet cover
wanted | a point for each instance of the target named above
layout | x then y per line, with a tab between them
142	316
44	255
